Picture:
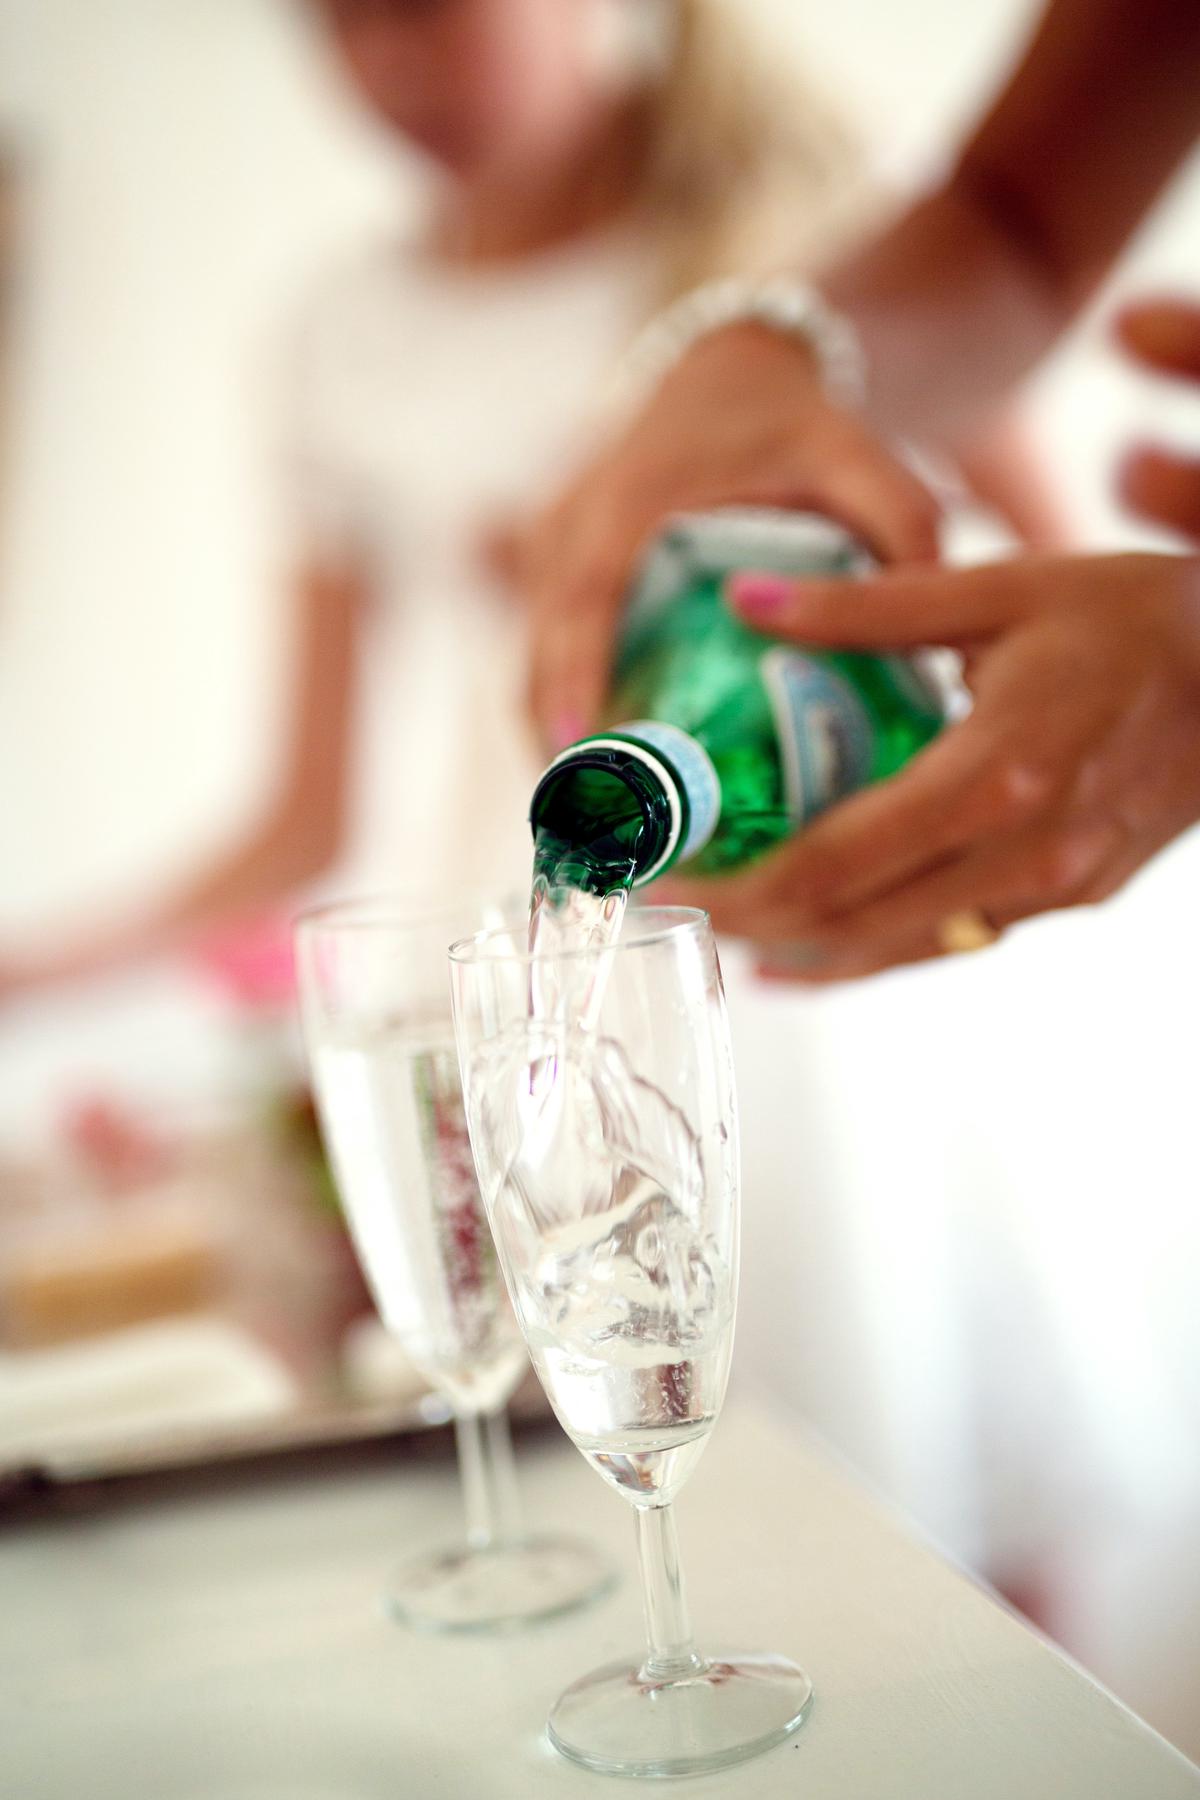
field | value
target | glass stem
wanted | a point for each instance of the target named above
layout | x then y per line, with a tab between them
671	1649
489	1478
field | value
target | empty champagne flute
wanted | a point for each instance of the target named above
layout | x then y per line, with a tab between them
376	1011
605	1138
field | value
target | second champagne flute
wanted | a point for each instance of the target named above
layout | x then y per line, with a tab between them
377	1025
605	1134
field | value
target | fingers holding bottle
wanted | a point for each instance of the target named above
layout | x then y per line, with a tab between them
742	420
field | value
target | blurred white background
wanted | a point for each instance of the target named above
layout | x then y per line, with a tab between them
1017	1133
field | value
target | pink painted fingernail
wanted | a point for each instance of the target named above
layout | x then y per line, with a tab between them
758	596
568	728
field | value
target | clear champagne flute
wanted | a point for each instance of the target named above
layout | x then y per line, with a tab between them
376	1010
605	1138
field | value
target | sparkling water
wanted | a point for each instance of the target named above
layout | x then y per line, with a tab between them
629	1330
594	1181
577	903
392	1114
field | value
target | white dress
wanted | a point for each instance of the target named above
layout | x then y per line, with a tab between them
429	407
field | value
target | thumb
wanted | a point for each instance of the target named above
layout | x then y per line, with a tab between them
893	609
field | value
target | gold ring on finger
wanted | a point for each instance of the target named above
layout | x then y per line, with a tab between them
970	929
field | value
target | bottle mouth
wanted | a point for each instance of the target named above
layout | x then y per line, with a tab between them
617	802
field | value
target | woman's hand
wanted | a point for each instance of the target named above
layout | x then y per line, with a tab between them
741	420
1164	335
1080	759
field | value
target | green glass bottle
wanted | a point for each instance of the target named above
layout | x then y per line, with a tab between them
724	741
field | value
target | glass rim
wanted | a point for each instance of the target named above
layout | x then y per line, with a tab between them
659	924
398	908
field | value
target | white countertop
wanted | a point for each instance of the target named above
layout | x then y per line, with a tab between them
233	1648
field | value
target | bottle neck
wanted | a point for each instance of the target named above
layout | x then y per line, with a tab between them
620	808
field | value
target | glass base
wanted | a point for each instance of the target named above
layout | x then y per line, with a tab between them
619	1721
500	1588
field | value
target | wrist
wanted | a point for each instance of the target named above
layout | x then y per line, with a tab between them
754	316
744	355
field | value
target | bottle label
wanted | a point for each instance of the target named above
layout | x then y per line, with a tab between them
697	777
825	739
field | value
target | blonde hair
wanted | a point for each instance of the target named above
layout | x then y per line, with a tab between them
750	169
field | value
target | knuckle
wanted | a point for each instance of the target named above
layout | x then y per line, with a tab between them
1057	871
1090	783
1049	873
1066	863
1102	887
1094	893
1018	788
1003	793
